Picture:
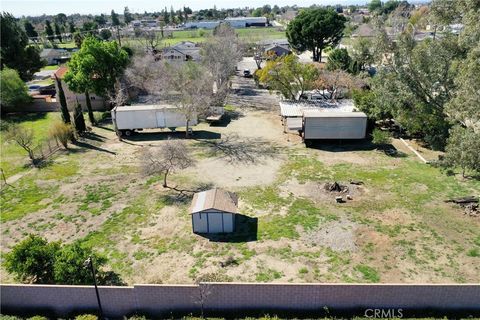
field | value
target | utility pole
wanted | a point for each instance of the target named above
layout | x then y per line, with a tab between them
89	263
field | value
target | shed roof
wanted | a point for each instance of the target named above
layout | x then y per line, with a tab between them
290	108
217	199
145	107
320	114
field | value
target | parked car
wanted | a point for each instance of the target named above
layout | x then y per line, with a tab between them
247	73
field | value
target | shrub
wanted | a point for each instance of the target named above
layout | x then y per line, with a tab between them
380	137
86	317
62	132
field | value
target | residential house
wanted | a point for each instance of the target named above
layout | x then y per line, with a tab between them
98	103
182	51
54	56
277	50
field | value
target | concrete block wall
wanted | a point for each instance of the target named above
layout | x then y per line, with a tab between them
234	298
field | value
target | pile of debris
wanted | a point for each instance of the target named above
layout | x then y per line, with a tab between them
340	188
470	205
335	187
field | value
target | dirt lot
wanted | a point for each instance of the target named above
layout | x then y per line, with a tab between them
395	228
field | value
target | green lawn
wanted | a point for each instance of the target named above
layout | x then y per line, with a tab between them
54	67
247	34
13	158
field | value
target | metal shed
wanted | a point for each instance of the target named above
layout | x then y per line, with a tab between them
292	111
213	211
334	125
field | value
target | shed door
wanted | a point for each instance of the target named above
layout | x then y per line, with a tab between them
160	119
215	222
200	223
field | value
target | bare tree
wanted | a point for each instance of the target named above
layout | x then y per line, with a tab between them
220	55
258	56
200	298
170	157
194	89
24	137
332	83
148	75
151	40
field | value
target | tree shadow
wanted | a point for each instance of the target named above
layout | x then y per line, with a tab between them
93	136
246	230
227	118
181	196
156	136
341	145
84	145
235	149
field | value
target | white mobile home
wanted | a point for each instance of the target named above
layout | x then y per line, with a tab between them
213	211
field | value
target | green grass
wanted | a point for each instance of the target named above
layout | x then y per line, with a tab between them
13	158
26	197
54	67
475	252
267	275
98	198
369	274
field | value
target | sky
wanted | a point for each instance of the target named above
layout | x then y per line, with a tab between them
38	7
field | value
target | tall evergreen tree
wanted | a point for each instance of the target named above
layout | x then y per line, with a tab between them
63	101
30	29
127	15
15	51
58	32
49	30
78	119
116	23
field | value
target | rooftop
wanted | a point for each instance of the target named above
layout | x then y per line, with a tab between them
217	199
296	108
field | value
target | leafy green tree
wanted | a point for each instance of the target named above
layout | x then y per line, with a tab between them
105	34
30	29
63	101
127	15
78	39
49	30
462	150
71	27
375	5
100	20
69	267
363	53
464	105
367	101
380	137
58	32
417	83
15	52
289	76
90	28
32	260
316	29
61	19
339	59
257	12
95	68
14	91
